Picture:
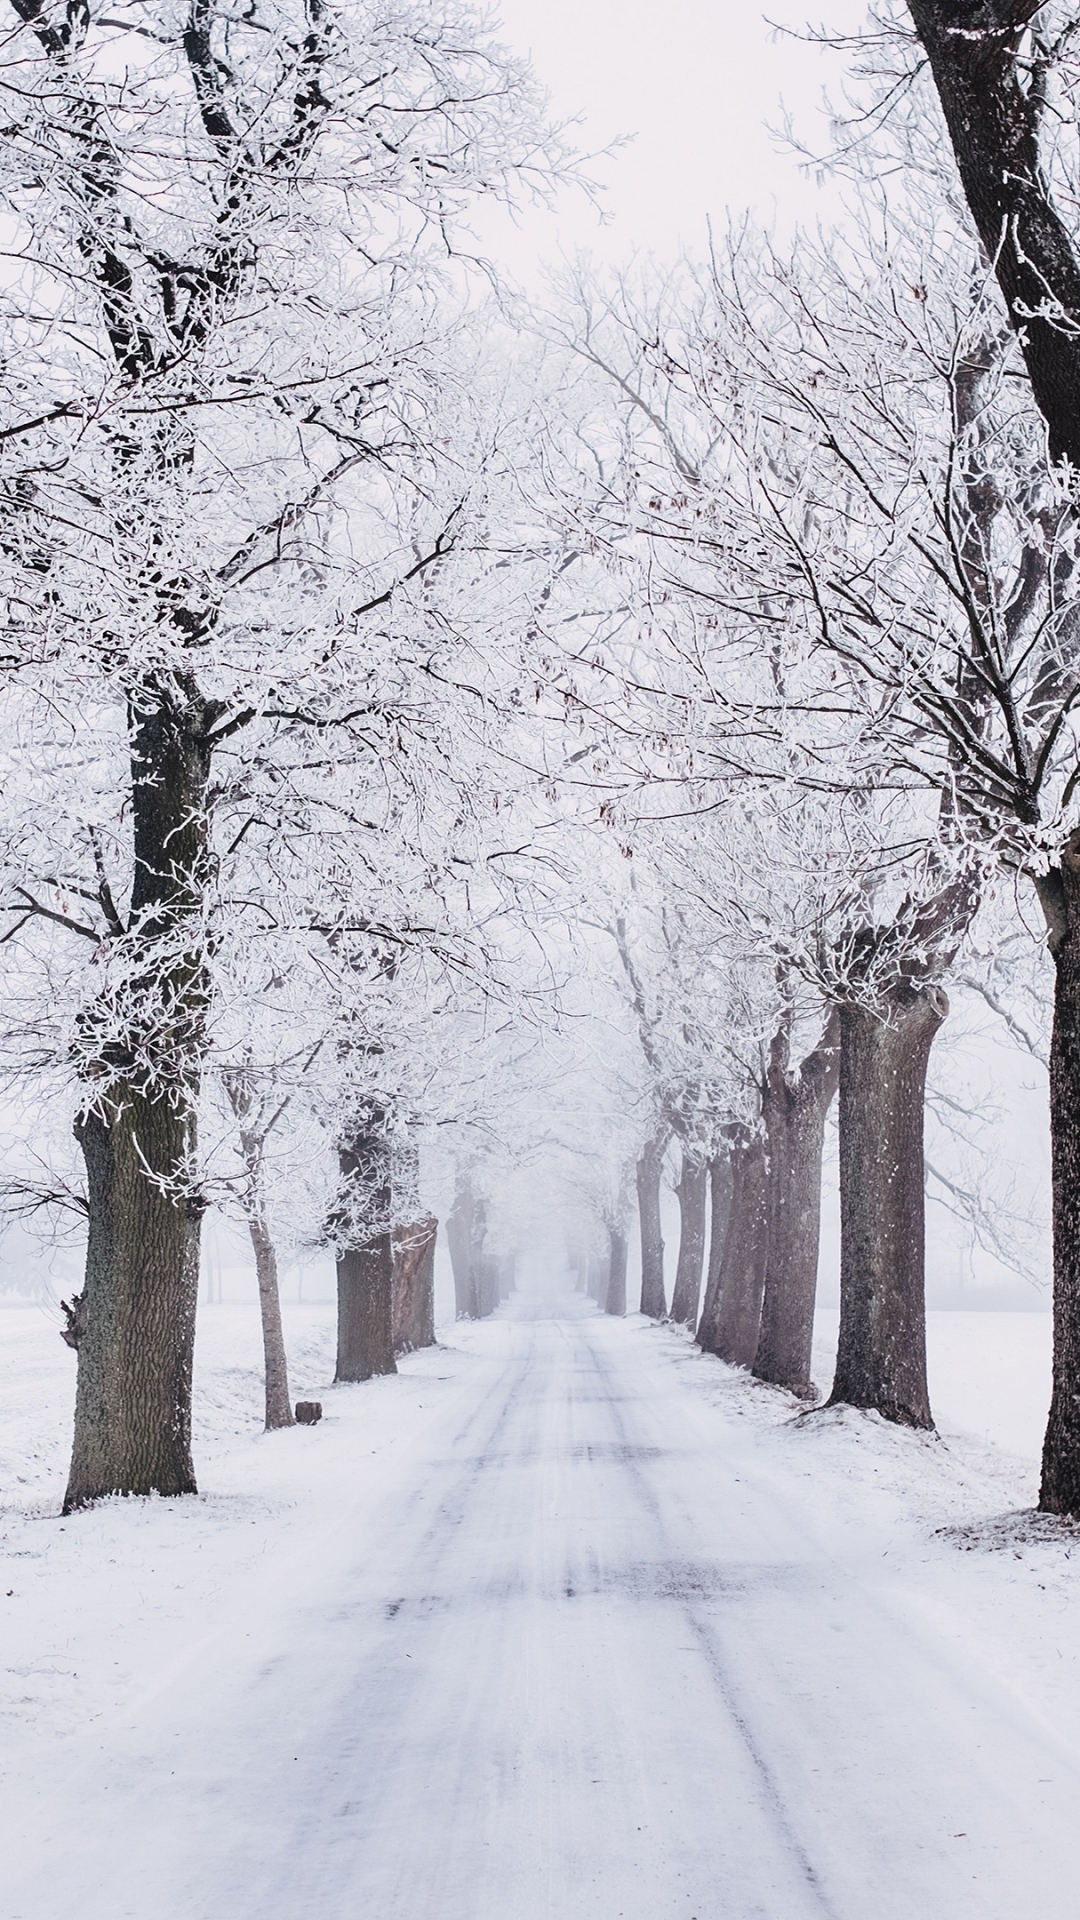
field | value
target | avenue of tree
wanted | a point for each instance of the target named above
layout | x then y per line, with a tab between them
473	767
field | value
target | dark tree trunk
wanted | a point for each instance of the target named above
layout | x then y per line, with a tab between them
992	109
881	1362
693	1193
615	1293
279	1411
1060	892
135	1329
365	1285
365	1269
135	1323
649	1171
742	1274
725	1181
794	1133
414	1285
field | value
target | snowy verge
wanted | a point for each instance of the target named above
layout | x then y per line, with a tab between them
103	1610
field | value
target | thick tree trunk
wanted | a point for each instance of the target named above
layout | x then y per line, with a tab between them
134	1323
1060	1489
615	1293
692	1190
881	1362
795	1134
133	1326
649	1172
365	1270
993	109
742	1272
414	1285
365	1287
720	1185
279	1411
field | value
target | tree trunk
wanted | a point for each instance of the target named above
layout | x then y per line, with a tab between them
993	109
649	1171
795	1134
134	1323
734	1335
720	1184
1060	1489
365	1270
460	1227
692	1191
881	1362
414	1285
615	1294
279	1411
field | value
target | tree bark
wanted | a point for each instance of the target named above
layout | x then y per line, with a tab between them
365	1270
795	1132
135	1334
992	109
693	1193
615	1293
742	1273
732	1315
881	1362
414	1285
649	1171
1060	893
720	1185
134	1327
279	1411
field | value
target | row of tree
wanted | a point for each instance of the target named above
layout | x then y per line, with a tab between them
456	759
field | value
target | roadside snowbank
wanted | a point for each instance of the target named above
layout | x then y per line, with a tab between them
196	1648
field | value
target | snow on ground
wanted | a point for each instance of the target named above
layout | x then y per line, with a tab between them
989	1373
568	1619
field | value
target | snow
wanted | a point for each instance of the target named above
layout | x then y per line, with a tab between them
989	1373
566	1619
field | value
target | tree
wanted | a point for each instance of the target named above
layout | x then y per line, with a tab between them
226	329
648	1177
816	452
795	1106
1002	75
255	1122
1003	78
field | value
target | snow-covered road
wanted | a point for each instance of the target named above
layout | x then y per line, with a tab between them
575	1623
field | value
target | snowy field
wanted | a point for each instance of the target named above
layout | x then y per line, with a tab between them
567	1620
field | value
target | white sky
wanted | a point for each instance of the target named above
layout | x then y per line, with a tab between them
696	84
